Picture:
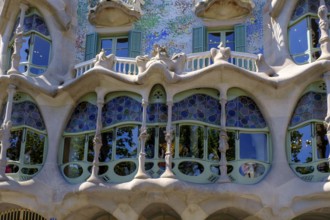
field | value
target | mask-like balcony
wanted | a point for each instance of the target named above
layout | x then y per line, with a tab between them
113	13
223	9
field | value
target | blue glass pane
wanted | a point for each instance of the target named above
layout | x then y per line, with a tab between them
198	107
312	105
157	113
83	118
121	109
27	113
28	23
298	41
106	44
37	71
41	51
244	113
213	40
301	59
39	25
253	146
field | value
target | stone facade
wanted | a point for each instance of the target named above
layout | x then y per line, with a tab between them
259	96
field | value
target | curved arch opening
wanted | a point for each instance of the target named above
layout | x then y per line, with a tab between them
230	214
159	211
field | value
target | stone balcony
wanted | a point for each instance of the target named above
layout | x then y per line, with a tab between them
193	62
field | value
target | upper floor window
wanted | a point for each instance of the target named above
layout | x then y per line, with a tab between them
206	38
36	49
304	33
27	152
227	37
115	45
308	145
125	45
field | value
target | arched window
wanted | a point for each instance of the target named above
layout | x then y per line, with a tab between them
28	143
308	145
155	146
121	117
304	33
36	49
249	139
196	118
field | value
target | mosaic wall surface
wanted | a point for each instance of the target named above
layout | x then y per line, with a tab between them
83	118
121	109
244	113
312	105
170	23
27	113
198	107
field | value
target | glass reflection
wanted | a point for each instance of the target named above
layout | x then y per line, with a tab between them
106	44
191	141
125	168
34	148
191	168
106	149
127	142
150	143
41	51
90	150
13	152
301	145
298	42
322	143
213	144
252	170
73	148
253	146
162	143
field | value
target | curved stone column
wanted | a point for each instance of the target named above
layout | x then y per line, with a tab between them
141	173
5	132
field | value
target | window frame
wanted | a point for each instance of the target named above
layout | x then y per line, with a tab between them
32	34
223	36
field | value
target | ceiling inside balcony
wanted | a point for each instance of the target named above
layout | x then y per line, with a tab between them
223	9
112	14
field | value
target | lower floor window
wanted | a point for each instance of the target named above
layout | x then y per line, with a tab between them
26	153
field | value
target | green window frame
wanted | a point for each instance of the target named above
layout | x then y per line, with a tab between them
35	54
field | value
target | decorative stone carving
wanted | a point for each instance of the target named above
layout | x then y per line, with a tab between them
114	13
221	54
324	28
137	5
224	9
262	66
160	55
105	61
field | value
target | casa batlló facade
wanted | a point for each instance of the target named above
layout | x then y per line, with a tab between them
172	109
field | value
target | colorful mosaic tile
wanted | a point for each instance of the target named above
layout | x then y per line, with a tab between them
27	113
312	105
198	107
244	113
83	118
157	113
121	109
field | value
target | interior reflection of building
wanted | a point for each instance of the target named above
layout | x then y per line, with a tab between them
177	109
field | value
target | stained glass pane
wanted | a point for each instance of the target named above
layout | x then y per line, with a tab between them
253	146
39	25
106	149
157	113
74	148
27	113
312	105
301	145
34	148
13	152
244	113
198	107
127	142
121	109
191	141
83	118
